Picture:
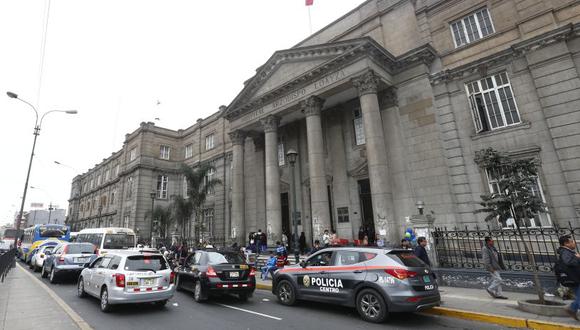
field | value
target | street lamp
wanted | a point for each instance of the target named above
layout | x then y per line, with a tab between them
152	194
37	127
292	155
420	206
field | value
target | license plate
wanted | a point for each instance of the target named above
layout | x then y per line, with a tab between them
429	287
148	281
426	279
81	260
234	274
132	283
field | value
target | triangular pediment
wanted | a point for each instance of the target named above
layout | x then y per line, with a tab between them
287	68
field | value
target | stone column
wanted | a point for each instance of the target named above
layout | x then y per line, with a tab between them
316	167
259	187
237	232
381	195
273	203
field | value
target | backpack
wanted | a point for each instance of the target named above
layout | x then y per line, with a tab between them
560	269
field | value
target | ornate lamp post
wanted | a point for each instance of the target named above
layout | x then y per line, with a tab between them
152	195
292	155
37	127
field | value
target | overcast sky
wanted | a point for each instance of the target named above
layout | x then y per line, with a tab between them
112	60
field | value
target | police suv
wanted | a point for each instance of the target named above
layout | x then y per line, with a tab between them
374	280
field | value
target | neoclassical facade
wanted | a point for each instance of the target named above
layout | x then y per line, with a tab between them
387	107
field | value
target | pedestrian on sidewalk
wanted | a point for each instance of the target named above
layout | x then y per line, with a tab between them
316	247
302	243
421	252
493	263
571	260
326	238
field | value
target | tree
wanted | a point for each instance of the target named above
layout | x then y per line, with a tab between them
181	210
514	196
199	185
162	215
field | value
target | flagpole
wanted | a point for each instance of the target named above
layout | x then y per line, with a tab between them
309	20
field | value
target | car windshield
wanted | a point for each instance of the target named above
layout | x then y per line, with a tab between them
48	248
406	258
119	241
146	263
46	231
216	258
80	248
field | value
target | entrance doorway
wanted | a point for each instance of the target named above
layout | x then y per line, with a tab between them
366	208
285	203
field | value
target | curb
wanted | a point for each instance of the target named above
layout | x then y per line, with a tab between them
508	321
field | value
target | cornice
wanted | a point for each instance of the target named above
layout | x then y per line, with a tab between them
517	50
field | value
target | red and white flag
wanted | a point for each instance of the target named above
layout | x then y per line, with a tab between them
309	2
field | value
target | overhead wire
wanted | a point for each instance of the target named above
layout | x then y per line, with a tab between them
43	51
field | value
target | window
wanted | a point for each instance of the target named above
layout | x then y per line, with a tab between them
92	184
98	180
164	152
162	186
321	259
107	175
133	154
129	187
342	213
126	220
209	143
146	262
492	103
359	129
208	177
281	155
113	196
471	28
539	220
344	257
207	230
189	150
117	170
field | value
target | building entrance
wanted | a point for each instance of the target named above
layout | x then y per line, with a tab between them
366	206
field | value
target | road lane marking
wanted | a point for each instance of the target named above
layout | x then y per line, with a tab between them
82	324
251	312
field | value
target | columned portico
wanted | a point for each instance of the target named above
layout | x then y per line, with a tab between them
316	165
381	194
237	223
273	203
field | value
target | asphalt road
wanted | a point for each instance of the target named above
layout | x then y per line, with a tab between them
260	312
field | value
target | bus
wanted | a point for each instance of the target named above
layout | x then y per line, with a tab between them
104	239
39	235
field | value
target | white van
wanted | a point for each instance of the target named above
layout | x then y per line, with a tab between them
105	239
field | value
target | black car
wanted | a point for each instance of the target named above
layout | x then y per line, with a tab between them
373	280
215	272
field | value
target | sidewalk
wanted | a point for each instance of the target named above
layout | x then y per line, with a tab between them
477	305
25	304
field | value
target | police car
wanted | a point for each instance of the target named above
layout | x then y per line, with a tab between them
375	281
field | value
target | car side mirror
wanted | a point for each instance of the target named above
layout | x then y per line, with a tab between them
87	265
303	264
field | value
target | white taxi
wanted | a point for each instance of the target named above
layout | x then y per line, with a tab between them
126	277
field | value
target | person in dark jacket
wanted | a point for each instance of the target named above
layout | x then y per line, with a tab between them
421	252
571	259
302	243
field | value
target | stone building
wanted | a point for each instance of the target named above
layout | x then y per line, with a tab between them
386	107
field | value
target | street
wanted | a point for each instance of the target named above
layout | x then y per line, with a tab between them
260	312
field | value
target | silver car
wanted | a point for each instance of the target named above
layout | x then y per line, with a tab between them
126	277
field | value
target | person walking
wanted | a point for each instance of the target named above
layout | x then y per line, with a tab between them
326	238
421	252
570	259
493	263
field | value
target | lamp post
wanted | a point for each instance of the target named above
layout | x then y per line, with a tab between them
37	127
152	194
292	155
420	206
50	208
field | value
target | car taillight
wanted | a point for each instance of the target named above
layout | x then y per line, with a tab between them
61	259
400	273
172	278
119	280
252	271
210	272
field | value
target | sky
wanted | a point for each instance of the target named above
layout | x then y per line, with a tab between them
113	61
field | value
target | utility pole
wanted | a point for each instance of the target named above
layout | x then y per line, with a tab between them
50	208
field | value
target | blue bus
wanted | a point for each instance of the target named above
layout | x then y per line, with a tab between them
39	235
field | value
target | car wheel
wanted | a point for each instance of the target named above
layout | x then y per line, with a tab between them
30	265
81	288
52	277
160	303
177	284
371	306
286	293
197	294
105	306
36	269
43	274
